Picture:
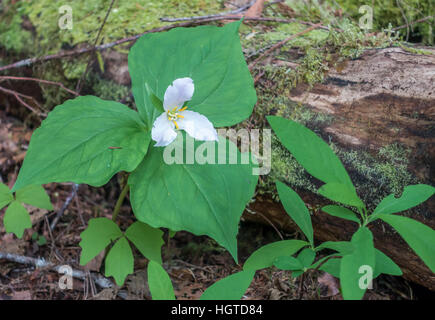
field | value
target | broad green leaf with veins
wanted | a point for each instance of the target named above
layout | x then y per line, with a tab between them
35	196
411	197
211	56
119	261
16	219
341	212
420	237
265	256
85	140
5	196
159	283
147	240
351	264
205	199
341	193
232	287
97	236
310	151
296	209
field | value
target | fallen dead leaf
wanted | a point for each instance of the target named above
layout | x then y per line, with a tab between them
328	285
255	10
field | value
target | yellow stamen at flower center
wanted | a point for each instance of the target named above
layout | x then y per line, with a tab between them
173	115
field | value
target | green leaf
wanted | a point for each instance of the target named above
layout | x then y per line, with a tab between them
332	266
418	236
41	241
16	219
352	267
297	273
5	196
296	209
35	196
119	261
344	247
341	193
306	257
266	255
147	240
288	263
85	140
159	283
411	197
205	199
157	103
310	151
232	287
384	265
97	236
341	212
211	56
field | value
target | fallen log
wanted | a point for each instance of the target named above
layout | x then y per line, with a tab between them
385	97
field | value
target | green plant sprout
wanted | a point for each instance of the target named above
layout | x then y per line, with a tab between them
352	259
17	218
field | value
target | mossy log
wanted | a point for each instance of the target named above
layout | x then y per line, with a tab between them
385	97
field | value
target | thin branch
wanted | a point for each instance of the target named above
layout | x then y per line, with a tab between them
42	263
413	22
63	54
64	207
281	43
41	81
18	96
239	10
79	83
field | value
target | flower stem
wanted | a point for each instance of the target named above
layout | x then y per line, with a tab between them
120	201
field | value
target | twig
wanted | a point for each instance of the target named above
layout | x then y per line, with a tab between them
405	18
79	83
63	54
41	81
281	43
413	22
405	25
42	263
18	96
241	9
273	226
64	207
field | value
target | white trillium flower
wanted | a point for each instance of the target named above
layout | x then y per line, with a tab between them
177	117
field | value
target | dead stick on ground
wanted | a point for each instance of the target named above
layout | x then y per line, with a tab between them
61	85
64	207
42	263
63	54
281	43
18	96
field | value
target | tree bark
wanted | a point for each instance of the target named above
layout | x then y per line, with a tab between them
385	96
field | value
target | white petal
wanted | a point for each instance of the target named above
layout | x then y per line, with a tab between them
163	131
197	126
180	91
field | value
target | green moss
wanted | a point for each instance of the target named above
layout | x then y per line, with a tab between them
396	13
376	176
12	35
